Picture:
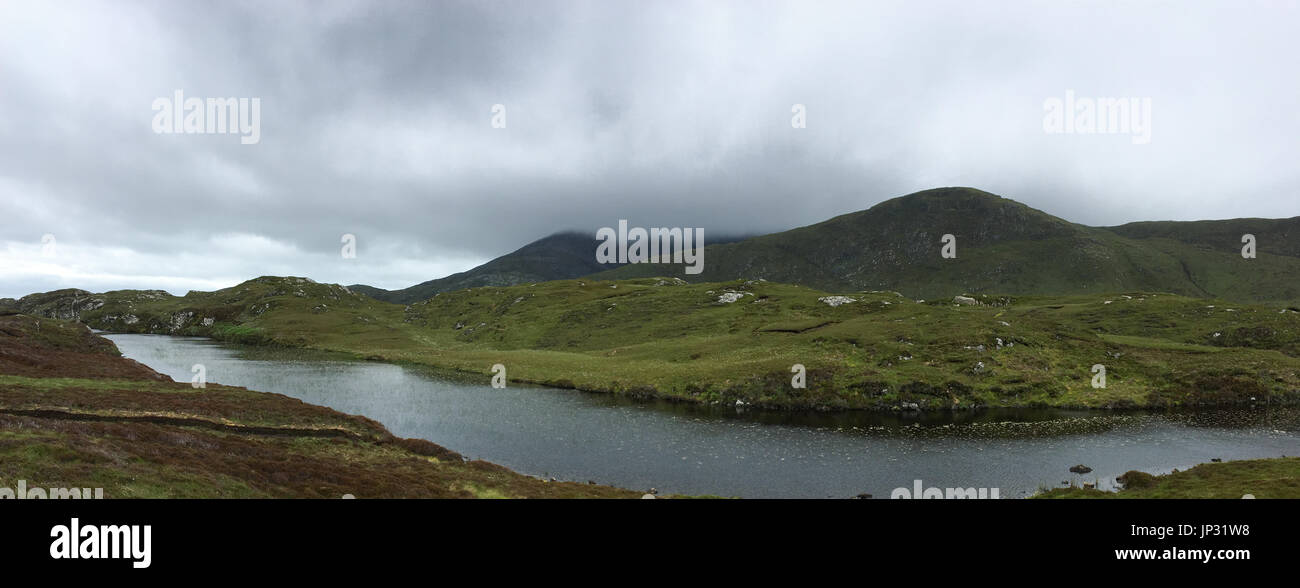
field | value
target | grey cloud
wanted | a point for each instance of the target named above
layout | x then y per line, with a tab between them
375	121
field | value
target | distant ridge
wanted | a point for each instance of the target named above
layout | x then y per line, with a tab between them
557	257
561	256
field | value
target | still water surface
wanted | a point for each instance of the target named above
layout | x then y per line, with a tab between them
579	436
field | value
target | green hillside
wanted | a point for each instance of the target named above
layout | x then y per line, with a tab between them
1006	247
1003	246
737	341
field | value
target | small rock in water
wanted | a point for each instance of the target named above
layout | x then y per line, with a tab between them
1216	459
863	496
1080	469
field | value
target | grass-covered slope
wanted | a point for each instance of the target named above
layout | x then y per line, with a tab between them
1006	247
74	414
1211	265
299	309
1276	236
1003	247
1261	478
737	341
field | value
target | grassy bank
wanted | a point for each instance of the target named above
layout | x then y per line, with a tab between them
737	341
1261	478
73	413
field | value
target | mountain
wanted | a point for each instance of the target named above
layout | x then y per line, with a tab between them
1005	247
561	256
557	257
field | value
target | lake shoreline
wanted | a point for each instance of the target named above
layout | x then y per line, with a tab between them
647	394
74	413
689	449
764	345
1277	477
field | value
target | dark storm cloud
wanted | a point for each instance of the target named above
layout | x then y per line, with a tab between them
376	121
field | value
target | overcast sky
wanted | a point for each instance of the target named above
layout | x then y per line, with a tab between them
376	119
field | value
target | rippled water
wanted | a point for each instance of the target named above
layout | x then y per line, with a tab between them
579	436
